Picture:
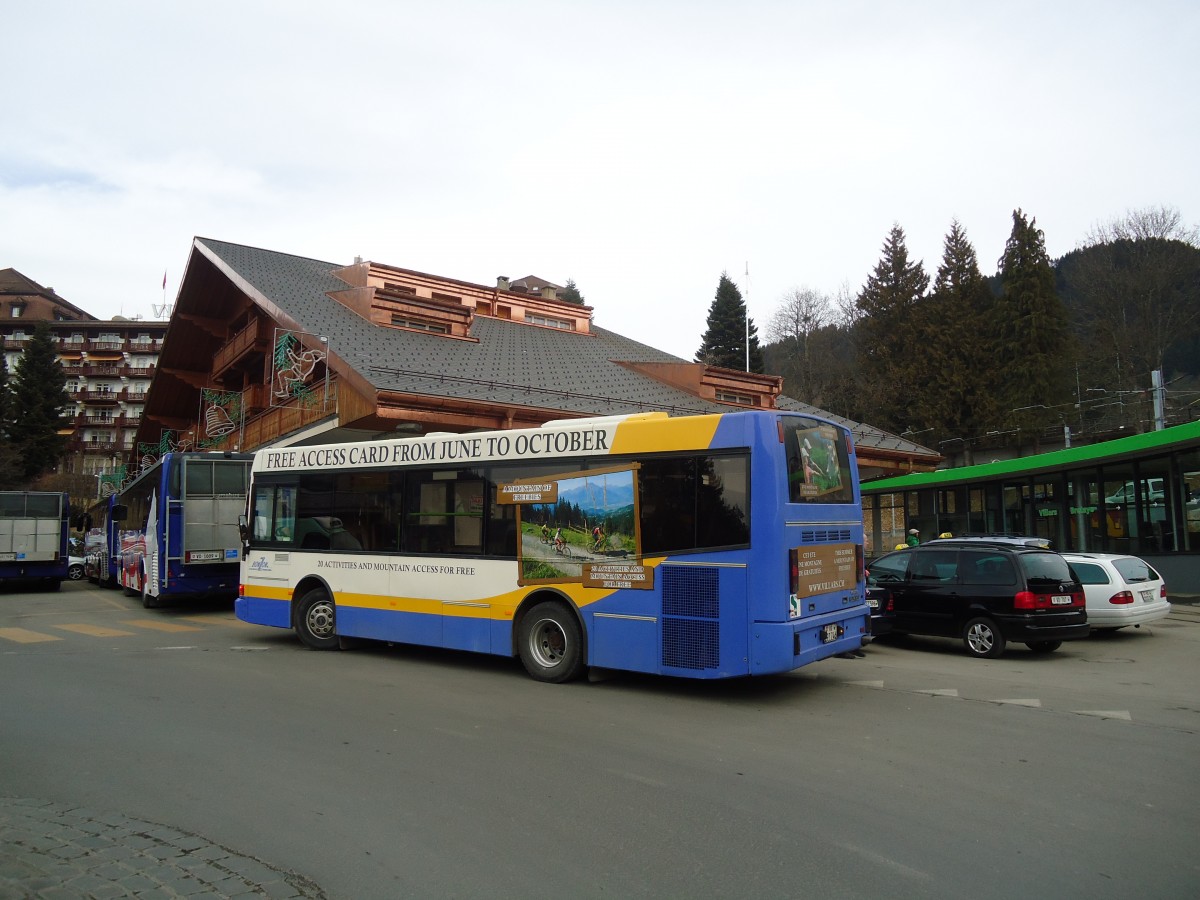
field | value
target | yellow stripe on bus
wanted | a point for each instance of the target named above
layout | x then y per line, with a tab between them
681	433
497	606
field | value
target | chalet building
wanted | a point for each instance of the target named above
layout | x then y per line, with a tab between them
109	365
269	348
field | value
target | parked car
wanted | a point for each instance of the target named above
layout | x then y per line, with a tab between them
987	592
75	567
1121	590
880	600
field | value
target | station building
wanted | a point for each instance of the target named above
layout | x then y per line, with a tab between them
1138	495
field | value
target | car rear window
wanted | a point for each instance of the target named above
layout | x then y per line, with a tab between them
1134	570
1045	567
1090	573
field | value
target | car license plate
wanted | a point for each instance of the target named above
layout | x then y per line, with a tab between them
1061	600
1147	596
830	633
873	602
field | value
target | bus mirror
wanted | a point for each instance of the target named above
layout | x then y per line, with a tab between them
243	530
119	512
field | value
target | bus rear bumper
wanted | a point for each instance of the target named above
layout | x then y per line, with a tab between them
783	646
260	611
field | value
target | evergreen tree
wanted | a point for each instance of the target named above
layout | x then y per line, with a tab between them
39	396
724	342
1032	348
571	293
893	335
11	474
964	384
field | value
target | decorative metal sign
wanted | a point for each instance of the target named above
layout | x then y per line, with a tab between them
292	367
221	414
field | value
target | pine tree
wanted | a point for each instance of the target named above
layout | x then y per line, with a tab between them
11	467
724	342
893	334
571	293
1032	345
964	387
39	396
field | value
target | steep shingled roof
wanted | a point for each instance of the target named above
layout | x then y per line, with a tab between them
510	363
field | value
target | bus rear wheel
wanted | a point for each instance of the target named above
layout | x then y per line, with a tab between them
550	643
316	620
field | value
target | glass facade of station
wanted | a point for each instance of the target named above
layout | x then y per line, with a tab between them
1137	495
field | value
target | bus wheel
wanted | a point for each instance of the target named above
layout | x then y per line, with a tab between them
316	620
551	643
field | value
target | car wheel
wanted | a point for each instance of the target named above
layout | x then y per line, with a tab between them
1043	646
75	572
316	620
983	639
550	643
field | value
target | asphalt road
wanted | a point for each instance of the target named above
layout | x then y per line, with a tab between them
404	772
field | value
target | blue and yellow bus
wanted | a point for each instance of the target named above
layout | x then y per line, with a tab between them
34	531
701	546
173	531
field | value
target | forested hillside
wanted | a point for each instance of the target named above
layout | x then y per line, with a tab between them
955	360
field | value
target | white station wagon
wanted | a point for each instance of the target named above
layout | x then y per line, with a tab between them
1120	590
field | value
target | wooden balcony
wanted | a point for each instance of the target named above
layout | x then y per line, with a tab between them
254	339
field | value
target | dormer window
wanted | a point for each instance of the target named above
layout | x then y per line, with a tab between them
546	321
731	397
17	310
418	325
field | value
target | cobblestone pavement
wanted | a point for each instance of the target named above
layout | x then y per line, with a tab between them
51	851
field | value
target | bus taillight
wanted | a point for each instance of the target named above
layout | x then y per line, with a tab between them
793	570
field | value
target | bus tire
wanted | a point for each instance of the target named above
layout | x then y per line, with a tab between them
550	643
316	620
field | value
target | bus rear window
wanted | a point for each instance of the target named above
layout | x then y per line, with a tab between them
818	462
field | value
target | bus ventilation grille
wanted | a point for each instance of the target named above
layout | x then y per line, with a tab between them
825	535
690	622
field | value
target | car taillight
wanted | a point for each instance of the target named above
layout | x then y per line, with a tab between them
1162	591
1030	600
1121	598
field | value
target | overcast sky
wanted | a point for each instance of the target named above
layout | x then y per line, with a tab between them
639	148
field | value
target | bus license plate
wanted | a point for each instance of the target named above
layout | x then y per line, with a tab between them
830	633
202	555
7	556
1061	600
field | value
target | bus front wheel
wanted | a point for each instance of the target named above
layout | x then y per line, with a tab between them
551	643
316	620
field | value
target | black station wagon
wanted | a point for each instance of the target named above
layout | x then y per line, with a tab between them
986	592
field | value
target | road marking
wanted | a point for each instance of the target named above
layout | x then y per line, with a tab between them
1121	714
1031	703
95	630
25	636
159	625
940	692
219	620
874	684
